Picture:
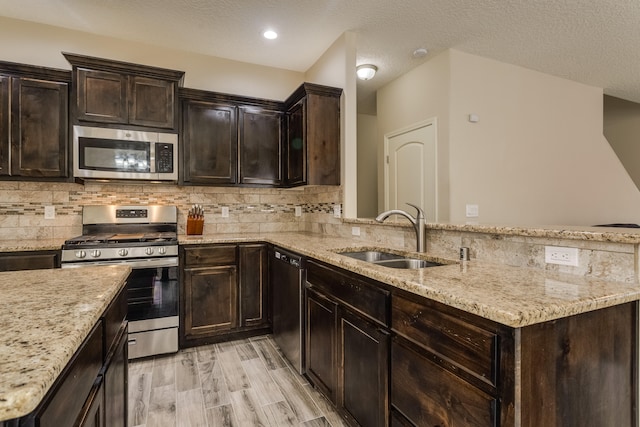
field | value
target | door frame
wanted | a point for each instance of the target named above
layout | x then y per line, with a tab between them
432	121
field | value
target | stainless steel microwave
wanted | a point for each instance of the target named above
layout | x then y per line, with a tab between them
105	153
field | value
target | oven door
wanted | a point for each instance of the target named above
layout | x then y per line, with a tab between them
152	289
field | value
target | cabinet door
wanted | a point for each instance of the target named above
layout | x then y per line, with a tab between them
152	102
426	394
5	130
363	352
39	128
260	136
320	343
93	413
295	167
211	301
323	139
102	96
210	143
254	286
115	384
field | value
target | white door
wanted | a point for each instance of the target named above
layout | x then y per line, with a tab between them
410	169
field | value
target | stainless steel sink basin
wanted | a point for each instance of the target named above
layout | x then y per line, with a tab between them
409	263
390	260
372	256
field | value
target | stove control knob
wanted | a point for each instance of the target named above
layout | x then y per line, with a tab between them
162	251
123	252
148	251
95	253
81	254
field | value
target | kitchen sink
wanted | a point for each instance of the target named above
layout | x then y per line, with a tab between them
372	256
391	260
409	263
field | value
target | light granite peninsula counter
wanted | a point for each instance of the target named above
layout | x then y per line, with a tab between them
513	296
45	315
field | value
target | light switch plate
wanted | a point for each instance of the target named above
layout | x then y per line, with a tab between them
355	231
472	211
225	212
298	210
337	211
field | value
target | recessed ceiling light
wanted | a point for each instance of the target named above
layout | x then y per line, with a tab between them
270	34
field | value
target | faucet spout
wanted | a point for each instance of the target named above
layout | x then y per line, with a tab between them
419	223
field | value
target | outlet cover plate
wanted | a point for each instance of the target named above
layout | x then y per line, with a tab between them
49	212
298	210
561	255
225	212
337	211
472	211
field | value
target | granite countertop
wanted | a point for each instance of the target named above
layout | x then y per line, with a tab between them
44	317
513	296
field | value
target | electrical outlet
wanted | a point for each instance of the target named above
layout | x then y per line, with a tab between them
355	231
225	212
472	211
337	211
49	212
298	211
560	255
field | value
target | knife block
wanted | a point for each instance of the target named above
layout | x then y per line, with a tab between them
195	226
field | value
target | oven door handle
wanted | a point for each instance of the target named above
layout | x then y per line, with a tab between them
134	264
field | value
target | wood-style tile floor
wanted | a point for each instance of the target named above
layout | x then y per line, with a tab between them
238	383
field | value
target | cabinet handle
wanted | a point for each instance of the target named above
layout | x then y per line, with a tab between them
133	341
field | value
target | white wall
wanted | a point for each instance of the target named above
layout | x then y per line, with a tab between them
38	44
622	130
537	155
367	166
418	95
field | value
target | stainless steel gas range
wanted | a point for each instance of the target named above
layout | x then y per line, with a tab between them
144	237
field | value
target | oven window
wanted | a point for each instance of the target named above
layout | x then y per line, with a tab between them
152	293
112	155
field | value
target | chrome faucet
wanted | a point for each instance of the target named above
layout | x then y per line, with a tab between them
419	224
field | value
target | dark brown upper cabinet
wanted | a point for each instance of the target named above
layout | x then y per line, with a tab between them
313	136
260	135
113	92
230	140
33	121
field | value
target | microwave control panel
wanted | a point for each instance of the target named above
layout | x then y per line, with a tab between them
164	157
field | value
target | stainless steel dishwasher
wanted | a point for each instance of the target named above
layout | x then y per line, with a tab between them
287	284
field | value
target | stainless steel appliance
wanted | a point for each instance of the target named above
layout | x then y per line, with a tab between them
124	154
287	281
144	237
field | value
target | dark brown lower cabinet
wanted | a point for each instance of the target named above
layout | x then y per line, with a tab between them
93	412
363	379
224	292
29	260
347	343
320	343
116	383
426	394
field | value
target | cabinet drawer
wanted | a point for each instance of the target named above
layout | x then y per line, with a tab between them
428	395
361	296
74	383
210	255
468	346
112	320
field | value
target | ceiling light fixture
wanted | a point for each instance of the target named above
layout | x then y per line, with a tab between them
366	71
420	52
270	34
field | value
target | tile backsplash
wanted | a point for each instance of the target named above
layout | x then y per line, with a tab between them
22	206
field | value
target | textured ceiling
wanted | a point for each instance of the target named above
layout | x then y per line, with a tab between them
596	42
